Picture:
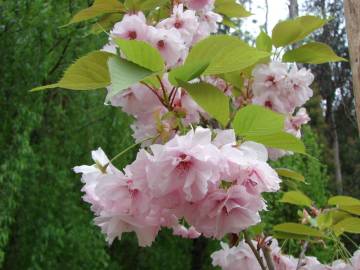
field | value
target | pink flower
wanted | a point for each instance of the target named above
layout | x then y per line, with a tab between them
131	27
186	22
222	212
187	163
199	4
300	85
355	260
267	77
208	24
190	233
169	43
293	123
118	202
235	258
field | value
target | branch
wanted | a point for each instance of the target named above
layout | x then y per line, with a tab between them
254	250
302	254
267	254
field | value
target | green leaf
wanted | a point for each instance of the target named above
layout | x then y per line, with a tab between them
350	225
187	72
285	33
106	22
211	99
294	30
255	120
284	235
298	229
231	9
142	54
290	174
297	198
88	72
258	124
352	209
309	24
264	42
324	220
99	7
125	74
234	78
225	54
280	140
312	53
149	5
343	200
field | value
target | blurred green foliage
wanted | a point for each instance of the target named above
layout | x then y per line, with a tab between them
43	222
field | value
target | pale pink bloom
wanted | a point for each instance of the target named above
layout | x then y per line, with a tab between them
247	166
189	107
224	137
293	123
132	26
91	175
282	261
275	154
235	258
187	163
199	4
341	265
190	233
220	84
186	22
267	77
109	47
273	101
169	43
300	82
208	25
225	211
355	260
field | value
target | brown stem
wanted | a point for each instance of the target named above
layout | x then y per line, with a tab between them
267	254
302	254
155	93
254	250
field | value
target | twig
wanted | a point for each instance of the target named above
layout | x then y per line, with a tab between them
267	254
254	250
302	254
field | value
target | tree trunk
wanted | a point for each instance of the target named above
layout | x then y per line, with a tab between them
266	15
198	253
352	14
336	150
293	9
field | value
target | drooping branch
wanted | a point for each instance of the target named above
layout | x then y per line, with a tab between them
254	250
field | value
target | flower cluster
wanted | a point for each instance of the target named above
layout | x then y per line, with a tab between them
180	185
283	90
242	257
173	37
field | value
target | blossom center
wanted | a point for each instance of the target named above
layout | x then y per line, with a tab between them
161	44
132	35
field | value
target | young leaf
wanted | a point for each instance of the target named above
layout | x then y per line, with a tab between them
88	72
324	220
294	30
290	174
309	24
343	200
124	74
210	98
298	229
187	72
280	140
142	54
352	209
350	225
264	42
149	5
284	235
231	9
297	198
285	33
258	124
312	53
106	22
225	54
99	7
255	120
